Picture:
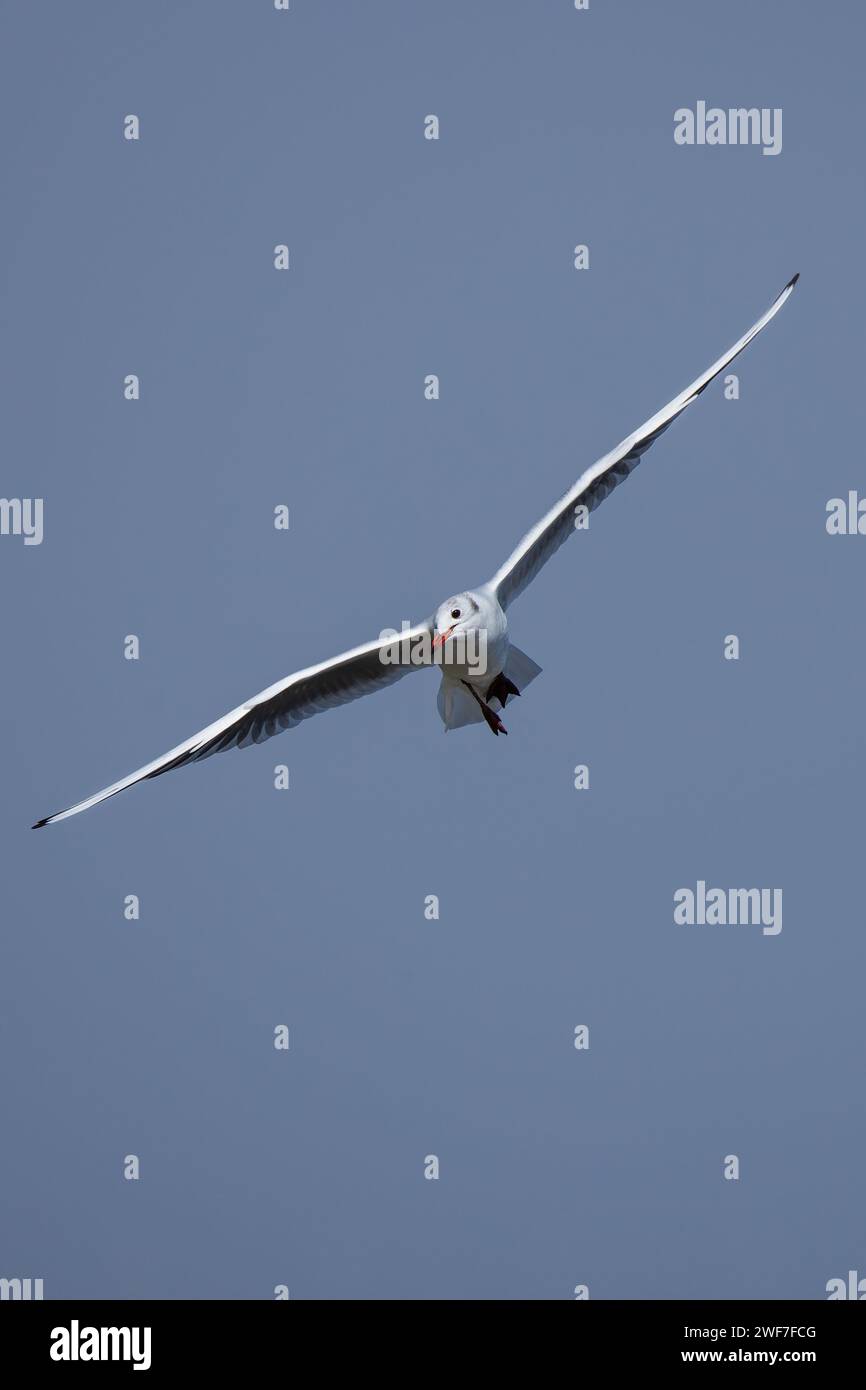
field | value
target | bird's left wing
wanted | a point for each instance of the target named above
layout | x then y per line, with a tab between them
358	672
597	482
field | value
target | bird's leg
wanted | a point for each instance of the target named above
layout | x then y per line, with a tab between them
493	720
501	688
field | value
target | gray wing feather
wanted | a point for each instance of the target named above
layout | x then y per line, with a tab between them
599	481
347	677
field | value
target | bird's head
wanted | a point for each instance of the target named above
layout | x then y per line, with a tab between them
457	615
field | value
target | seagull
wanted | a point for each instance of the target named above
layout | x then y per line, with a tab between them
467	636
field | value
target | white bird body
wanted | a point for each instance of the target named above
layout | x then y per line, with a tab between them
471	689
467	679
466	684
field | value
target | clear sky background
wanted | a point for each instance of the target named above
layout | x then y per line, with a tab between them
306	907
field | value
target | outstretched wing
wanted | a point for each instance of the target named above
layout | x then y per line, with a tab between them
597	482
358	672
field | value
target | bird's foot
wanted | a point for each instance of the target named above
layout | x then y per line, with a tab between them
493	720
494	723
501	688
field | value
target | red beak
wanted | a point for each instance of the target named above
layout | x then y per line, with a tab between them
442	637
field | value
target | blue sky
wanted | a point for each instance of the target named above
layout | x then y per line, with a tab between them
412	1037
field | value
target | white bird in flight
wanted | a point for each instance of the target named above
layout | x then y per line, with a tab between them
483	672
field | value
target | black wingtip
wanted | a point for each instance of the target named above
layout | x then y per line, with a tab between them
790	285
39	824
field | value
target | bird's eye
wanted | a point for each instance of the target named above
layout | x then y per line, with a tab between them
455	612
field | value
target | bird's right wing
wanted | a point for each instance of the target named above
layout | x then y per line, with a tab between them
358	672
599	481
